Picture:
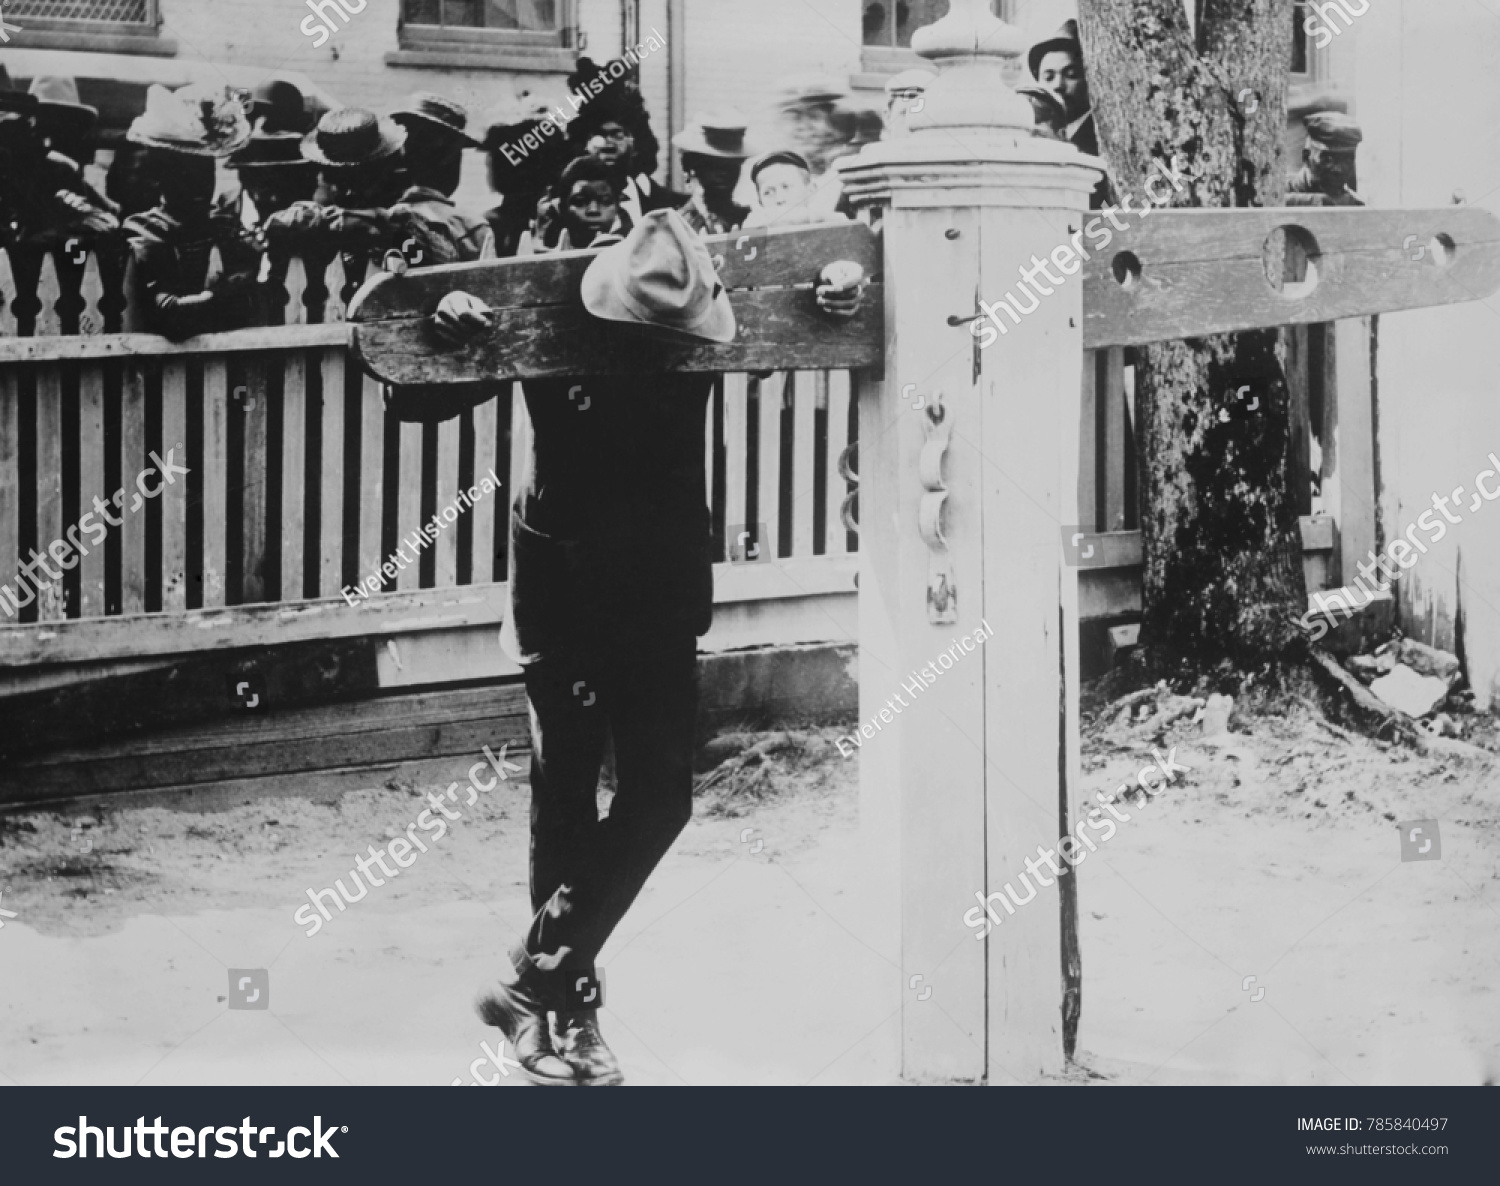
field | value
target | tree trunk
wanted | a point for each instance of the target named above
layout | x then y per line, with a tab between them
1223	551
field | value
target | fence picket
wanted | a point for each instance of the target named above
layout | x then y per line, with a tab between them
331	533
446	548
215	465
49	460
810	391
736	450
132	532
486	422
293	518
835	538
371	474
10	482
90	485
409	503
174	495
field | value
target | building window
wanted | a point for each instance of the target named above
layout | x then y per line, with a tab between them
542	23
117	26
889	25
112	12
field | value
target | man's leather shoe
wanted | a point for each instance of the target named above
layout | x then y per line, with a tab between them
577	1038
520	1012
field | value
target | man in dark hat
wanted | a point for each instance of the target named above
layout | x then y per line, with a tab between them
612	585
1057	64
433	158
274	174
66	124
45	201
278	108
1327	176
713	154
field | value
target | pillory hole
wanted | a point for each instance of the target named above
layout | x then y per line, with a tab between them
1127	269
1290	257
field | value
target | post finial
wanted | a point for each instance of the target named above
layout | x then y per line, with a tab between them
969	49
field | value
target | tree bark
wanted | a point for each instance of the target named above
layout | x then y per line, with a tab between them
1223	551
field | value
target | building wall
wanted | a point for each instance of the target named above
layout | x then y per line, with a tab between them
1438	406
352	64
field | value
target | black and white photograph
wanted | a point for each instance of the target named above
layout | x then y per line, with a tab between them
711	543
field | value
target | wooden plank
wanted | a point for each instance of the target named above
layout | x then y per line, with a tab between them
254	407
95	346
1124	549
1111	438
736	450
215	466
446	547
371	475
520	451
1089	442
269	746
769	259
804	408
331	469
91	484
144	635
490	508
293	526
1201	271
776	328
835	538
132	532
409	504
768	480
49	508
173	497
1351	492
10	485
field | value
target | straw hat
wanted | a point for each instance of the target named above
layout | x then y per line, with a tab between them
197	120
913	80
662	276
351	136
426	112
717	134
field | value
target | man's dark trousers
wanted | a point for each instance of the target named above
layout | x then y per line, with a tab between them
611	587
586	872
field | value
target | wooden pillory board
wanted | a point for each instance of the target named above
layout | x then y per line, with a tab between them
962	503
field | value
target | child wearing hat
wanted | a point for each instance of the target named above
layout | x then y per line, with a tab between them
788	194
185	133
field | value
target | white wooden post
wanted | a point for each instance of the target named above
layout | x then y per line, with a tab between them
959	788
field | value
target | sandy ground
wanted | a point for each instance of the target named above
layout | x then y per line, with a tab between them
1276	857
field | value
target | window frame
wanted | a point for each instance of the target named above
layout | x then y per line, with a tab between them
469	38
880	62
138	37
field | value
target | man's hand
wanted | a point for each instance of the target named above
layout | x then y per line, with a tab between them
841	289
460	316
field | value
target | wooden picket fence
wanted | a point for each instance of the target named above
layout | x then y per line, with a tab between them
300	485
